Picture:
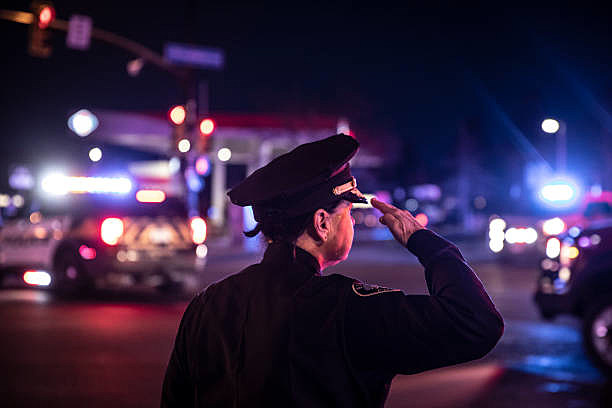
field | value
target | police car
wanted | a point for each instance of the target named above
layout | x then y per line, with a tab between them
512	235
576	279
79	232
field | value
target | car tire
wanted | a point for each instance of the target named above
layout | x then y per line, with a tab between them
597	334
71	274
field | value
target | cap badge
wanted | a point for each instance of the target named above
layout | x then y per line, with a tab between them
339	190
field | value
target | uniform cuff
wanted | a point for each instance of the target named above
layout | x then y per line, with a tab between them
426	244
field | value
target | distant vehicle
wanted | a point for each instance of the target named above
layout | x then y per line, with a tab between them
103	232
527	234
576	279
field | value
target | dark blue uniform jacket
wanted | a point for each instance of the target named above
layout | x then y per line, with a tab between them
280	334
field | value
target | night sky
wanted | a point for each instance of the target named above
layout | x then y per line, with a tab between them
420	75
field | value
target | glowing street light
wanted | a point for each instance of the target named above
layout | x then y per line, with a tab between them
550	126
83	122
184	145
224	154
95	154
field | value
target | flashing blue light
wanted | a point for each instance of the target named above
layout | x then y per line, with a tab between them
559	193
193	180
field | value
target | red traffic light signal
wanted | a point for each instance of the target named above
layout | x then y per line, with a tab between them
39	42
45	16
207	126
177	115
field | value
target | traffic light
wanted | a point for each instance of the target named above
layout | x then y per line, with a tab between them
177	116
207	127
40	35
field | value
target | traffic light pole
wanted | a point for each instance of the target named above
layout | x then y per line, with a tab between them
184	75
114	39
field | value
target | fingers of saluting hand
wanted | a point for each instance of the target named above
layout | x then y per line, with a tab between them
400	222
382	206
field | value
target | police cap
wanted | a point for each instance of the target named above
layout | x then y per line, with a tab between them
311	176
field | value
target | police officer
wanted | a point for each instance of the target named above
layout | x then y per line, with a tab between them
282	333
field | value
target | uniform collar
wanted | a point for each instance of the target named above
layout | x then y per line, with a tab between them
286	252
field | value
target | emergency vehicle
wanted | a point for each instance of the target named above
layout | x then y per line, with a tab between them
576	279
81	232
512	235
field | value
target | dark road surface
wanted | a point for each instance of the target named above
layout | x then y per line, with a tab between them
112	350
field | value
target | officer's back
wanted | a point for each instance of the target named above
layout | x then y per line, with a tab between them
279	333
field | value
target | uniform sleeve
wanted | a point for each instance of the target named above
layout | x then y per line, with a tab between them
407	334
178	388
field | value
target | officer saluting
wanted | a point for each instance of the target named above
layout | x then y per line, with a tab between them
280	333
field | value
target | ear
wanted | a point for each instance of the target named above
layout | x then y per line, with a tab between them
321	225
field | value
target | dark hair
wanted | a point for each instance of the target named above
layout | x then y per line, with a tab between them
282	229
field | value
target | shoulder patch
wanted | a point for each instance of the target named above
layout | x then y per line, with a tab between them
364	289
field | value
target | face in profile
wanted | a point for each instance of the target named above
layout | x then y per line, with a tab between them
341	233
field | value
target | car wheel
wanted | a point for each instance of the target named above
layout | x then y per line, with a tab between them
597	333
71	274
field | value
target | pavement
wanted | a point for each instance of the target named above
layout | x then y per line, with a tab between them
112	348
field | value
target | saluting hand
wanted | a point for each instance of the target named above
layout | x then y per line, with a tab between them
400	222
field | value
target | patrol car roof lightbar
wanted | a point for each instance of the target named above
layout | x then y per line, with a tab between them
58	184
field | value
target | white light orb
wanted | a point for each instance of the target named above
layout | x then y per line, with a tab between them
55	184
513	235
83	122
201	251
557	192
496	245
550	125
530	236
497	224
554	226
553	248
184	145
224	154
95	154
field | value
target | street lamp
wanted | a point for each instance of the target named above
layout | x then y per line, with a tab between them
83	122
553	126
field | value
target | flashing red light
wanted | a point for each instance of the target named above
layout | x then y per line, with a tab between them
202	165
198	230
150	196
207	126
422	219
45	16
177	115
87	253
111	230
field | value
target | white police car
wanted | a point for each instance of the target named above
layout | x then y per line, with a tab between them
94	232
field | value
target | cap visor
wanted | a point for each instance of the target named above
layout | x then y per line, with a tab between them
354	196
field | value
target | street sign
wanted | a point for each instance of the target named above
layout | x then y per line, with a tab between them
194	55
79	32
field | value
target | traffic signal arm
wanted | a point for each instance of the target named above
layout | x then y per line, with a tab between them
106	36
